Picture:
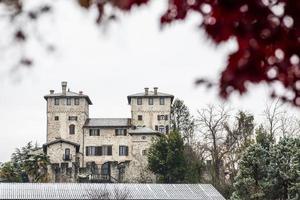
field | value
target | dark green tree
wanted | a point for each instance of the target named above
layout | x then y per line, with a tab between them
182	120
166	158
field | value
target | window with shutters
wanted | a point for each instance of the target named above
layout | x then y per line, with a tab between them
162	101
139	101
94	132
76	101
72	129
56	101
123	150
68	101
150	101
93	151
140	117
107	150
121	132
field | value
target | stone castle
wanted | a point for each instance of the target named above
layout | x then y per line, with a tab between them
87	149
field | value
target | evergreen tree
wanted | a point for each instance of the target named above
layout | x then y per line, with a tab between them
166	158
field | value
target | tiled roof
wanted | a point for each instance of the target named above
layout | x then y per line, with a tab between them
68	94
142	130
61	141
150	94
108	122
108	191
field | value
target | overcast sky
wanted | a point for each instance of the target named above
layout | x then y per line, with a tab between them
108	64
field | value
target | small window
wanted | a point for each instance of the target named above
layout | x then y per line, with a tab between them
76	101
150	101
121	131
143	137
156	127
161	129
56	118
72	129
140	117
162	101
139	101
160	117
94	132
72	118
56	101
67	155
123	150
68	101
144	152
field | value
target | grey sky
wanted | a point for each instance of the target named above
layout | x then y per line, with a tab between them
108	65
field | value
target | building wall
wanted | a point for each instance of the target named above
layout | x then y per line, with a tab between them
150	112
56	151
60	128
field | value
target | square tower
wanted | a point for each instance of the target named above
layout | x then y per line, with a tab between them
151	109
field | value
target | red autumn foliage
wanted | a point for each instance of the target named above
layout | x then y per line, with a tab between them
267	33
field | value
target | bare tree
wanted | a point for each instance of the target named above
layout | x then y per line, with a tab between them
105	193
211	122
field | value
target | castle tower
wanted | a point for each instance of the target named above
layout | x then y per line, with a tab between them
66	114
151	109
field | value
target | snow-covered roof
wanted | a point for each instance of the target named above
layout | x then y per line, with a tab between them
111	191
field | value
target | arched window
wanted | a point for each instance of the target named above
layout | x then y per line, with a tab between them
72	129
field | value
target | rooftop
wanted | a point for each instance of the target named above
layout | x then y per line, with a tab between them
148	93
109	191
108	122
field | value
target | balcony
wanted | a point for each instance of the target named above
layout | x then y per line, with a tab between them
67	157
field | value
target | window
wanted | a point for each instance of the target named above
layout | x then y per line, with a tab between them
105	169
121	131
93	151
107	150
76	101
162	101
56	118
143	137
68	101
166	117
94	132
156	127
150	101
139	101
140	117
56	101
144	152
73	118
161	129
167	129
67	155
123	150
72	129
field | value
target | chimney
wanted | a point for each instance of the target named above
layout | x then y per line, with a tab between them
80	92
51	91
64	87
146	91
155	90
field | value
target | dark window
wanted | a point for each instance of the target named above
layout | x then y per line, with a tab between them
105	169
162	101
67	155
72	129
121	131
107	150
93	151
139	101
161	129
140	117
76	101
150	101
143	137
156	128
123	150
144	152
161	117
56	118
56	101
158	117
94	132
73	118
166	117
68	101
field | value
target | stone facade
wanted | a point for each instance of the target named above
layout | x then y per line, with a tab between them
103	149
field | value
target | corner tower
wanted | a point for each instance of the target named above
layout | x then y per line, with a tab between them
66	114
151	109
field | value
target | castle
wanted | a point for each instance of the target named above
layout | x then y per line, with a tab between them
81	148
